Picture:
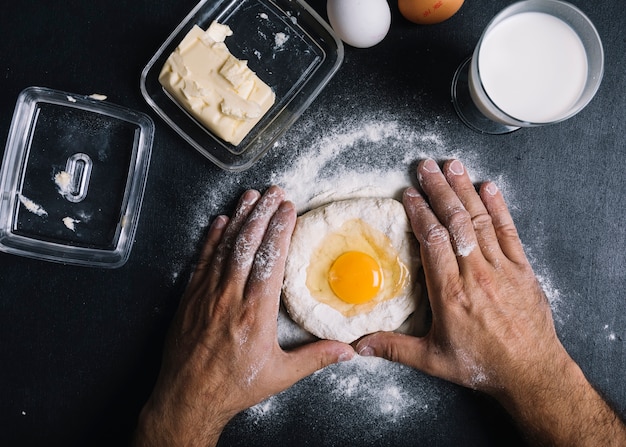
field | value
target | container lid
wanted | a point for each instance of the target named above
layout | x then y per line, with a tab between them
73	177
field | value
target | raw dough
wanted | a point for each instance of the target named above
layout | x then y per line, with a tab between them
385	216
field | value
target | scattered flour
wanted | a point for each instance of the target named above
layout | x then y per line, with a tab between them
254	370
561	311
372	156
611	335
266	260
479	375
463	246
378	387
358	402
366	158
361	157
262	409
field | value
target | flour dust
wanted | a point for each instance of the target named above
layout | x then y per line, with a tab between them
365	157
358	402
357	157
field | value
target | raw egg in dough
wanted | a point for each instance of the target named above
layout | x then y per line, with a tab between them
355	277
354	268
428	12
360	23
351	269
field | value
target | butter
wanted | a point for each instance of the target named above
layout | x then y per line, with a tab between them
217	89
32	206
70	223
63	181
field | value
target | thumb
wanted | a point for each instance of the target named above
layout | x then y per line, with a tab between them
307	359
396	347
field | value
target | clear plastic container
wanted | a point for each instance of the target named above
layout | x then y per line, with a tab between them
73	178
286	44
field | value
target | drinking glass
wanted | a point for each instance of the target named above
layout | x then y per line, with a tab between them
538	62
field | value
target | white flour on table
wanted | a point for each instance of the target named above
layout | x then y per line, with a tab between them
357	157
371	157
355	402
366	157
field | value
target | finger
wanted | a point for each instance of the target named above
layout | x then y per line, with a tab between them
405	349
206	262
503	224
213	238
460	182
267	273
205	267
438	258
448	208
244	208
305	360
249	239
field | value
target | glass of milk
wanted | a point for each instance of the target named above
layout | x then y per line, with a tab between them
538	62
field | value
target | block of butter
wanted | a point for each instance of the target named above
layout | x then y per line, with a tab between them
217	89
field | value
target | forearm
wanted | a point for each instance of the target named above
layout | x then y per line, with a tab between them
159	429
564	410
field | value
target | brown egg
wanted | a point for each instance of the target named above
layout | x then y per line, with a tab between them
428	12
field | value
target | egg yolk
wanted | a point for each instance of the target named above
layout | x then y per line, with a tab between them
355	277
353	298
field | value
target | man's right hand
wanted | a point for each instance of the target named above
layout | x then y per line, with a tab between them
492	327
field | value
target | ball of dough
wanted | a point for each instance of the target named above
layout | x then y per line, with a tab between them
378	227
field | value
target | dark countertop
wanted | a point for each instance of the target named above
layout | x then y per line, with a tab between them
80	347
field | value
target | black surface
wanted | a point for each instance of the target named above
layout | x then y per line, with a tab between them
80	347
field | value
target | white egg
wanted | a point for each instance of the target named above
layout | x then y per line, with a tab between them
360	23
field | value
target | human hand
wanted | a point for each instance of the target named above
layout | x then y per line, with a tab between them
492	327
222	354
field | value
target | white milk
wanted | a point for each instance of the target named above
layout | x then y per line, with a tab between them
533	66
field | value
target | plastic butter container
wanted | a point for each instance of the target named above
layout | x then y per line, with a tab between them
287	45
73	178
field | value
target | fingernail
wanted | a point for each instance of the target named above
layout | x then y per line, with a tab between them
345	356
456	167
431	165
286	207
250	197
411	192
366	351
219	222
491	188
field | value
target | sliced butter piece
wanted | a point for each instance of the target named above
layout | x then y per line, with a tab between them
216	88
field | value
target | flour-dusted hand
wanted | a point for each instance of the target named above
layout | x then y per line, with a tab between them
492	327
488	308
222	354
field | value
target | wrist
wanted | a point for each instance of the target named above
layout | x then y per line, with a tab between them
541	382
148	433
